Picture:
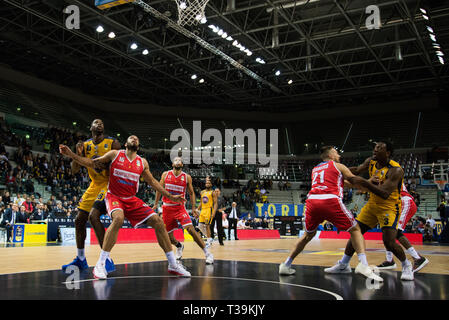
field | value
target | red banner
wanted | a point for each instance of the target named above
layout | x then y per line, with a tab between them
126	235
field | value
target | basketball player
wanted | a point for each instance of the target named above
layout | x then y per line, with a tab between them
408	211
382	208
178	182
324	202
207	208
125	170
93	148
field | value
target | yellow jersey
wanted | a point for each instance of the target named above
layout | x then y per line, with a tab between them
394	200
207	200
93	151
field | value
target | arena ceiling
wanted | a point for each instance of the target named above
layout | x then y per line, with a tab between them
322	48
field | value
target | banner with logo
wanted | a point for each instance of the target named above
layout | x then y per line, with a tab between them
68	235
30	233
277	209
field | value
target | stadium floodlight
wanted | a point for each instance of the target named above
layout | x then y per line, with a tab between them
434	39
220	32
203	20
224	35
290	81
235	43
183	5
425	17
111	35
134	46
278	73
441	60
430	29
229	38
423	10
194	76
249	53
100	29
439	53
145	52
436	45
201	81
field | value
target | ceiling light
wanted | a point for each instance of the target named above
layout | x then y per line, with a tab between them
201	81
134	46
278	73
434	39
441	60
430	29
425	17
100	29
183	5
439	53
203	20
290	81
145	52
194	77
229	38
224	35
111	35
423	10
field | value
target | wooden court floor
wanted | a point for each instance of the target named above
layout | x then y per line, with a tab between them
320	252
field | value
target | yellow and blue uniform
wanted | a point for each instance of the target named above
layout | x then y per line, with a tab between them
207	205
99	179
386	213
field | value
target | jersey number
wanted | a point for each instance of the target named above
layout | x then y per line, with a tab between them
315	176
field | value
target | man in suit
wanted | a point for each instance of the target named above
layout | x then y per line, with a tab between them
218	219
10	218
233	216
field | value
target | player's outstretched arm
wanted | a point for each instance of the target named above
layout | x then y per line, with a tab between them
158	194
191	193
75	166
86	162
361	168
148	177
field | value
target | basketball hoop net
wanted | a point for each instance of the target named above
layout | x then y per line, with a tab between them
441	184
191	12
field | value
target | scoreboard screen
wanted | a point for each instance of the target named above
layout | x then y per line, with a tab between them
288	226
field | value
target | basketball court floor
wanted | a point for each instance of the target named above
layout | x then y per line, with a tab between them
243	270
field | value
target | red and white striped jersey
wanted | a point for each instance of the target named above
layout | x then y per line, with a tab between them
124	175
327	179
175	185
404	192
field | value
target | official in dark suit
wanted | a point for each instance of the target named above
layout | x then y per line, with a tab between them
38	214
233	217
10	218
218	219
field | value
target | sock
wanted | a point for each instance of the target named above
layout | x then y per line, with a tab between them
389	256
179	245
80	254
346	259
103	256
405	263
288	262
171	258
362	258
413	253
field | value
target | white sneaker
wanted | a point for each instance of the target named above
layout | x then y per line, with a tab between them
209	258
367	272
286	271
407	273
339	268
179	270
100	271
179	252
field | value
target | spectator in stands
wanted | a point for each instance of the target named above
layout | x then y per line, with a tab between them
39	213
2	204
19	200
29	206
442	210
10	218
428	232
23	214
11	183
430	221
7	198
59	211
242	224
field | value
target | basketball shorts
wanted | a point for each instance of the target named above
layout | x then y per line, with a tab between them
407	212
136	211
327	207
95	192
174	214
371	215
205	216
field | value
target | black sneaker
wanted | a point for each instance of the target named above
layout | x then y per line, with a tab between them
386	265
419	264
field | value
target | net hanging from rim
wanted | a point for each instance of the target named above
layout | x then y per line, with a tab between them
191	12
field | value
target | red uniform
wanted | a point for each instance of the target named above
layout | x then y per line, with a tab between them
324	201
123	185
409	208
172	212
